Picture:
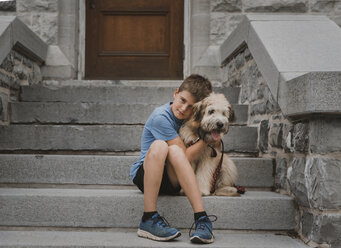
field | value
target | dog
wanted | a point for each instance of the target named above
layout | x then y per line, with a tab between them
210	121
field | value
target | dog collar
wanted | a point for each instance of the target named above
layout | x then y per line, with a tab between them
192	142
213	152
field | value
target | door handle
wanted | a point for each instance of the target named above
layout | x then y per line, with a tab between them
92	4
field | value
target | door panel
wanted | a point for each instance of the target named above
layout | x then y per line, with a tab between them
135	39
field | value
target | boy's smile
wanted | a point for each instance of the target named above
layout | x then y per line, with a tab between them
183	104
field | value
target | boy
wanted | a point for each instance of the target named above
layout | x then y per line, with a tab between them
164	164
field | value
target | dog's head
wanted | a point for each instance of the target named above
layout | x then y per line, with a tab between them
212	117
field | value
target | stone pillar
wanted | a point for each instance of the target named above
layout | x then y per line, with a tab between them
68	29
315	180
199	29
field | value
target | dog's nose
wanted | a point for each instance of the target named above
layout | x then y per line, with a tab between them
220	124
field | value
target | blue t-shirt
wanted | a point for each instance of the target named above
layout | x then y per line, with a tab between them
161	125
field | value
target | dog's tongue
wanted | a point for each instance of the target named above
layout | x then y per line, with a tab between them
215	135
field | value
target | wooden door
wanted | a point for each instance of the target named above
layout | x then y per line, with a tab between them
134	39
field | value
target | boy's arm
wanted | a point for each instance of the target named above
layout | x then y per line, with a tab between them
192	152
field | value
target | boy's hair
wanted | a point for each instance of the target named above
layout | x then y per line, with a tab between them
199	86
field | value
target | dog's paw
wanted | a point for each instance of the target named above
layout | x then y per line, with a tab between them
182	192
205	193
227	191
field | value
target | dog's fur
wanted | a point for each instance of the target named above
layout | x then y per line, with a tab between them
212	114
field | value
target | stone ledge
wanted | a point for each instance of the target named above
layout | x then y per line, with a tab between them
125	239
285	47
106	170
14	34
255	210
314	92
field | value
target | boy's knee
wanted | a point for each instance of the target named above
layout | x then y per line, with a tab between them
158	148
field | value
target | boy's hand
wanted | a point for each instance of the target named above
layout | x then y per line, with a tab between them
192	152
177	141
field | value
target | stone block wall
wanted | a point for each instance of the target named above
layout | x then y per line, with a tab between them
225	15
307	153
41	16
15	70
7	7
56	23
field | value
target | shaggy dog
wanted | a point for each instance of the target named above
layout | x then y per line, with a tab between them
210	121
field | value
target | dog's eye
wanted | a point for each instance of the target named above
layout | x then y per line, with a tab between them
211	111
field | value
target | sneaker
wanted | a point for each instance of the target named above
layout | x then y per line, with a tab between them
157	228
203	230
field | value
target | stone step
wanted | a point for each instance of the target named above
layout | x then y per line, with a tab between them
129	239
93	113
113	93
106	170
122	208
102	138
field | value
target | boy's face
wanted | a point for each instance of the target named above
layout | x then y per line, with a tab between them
183	104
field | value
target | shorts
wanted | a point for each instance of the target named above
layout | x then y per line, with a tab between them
166	188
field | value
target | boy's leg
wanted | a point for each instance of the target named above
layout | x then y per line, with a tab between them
155	227
181	172
153	166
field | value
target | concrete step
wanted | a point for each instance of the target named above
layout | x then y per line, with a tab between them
129	239
106	170
113	93
102	138
93	113
123	209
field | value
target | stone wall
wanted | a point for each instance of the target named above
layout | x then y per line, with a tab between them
225	15
7	7
56	23
15	70
307	153
41	16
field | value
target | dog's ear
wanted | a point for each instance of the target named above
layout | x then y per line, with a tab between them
197	115
231	113
194	121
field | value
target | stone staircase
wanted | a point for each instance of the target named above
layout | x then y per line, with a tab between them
64	173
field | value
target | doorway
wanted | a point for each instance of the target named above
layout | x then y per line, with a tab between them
135	39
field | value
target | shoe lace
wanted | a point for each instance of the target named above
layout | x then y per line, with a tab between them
202	223
161	221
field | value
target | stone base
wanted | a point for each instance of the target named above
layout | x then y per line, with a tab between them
58	72
324	228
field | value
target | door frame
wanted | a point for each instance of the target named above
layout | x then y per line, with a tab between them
187	39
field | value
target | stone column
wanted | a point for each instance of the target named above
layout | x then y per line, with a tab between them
200	17
315	180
